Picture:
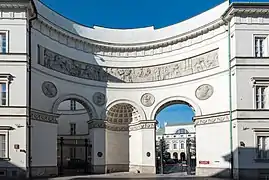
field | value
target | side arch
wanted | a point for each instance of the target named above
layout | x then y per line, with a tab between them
139	108
85	102
173	100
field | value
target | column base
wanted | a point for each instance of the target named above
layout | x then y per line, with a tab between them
110	168
142	169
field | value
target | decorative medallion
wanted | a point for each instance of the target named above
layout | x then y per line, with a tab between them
99	154
99	99
204	92
49	89
147	99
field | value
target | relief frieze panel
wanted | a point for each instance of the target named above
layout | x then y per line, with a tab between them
68	66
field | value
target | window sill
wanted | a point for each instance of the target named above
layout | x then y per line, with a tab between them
261	160
5	159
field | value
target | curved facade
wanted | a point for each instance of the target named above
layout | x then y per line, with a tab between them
123	78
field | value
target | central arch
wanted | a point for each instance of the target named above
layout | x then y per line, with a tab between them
175	100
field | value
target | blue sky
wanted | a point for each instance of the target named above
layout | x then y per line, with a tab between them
177	113
135	14
131	13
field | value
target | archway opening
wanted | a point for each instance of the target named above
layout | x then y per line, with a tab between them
182	156
176	128
118	138
74	146
175	155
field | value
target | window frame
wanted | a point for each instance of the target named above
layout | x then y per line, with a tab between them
6	32
265	36
7	150
74	130
175	146
73	105
260	132
259	82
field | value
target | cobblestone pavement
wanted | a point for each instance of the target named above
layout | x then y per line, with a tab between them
131	176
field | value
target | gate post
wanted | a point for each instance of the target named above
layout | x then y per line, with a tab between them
86	156
61	156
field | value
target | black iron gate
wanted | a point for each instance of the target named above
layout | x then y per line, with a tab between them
74	156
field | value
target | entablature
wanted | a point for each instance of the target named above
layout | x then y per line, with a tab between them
152	48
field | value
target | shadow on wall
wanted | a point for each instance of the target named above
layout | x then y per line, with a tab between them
251	164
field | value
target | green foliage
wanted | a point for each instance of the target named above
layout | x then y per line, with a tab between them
162	146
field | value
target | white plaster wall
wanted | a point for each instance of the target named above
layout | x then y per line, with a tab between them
247	154
213	144
148	145
44	144
16	136
135	146
117	147
15	64
98	139
79	118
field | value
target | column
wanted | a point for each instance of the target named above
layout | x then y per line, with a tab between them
142	147
97	136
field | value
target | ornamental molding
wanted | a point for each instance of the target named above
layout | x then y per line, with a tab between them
121	127
250	9
142	125
192	65
44	116
106	125
211	119
56	33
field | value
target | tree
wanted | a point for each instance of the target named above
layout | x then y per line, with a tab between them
161	149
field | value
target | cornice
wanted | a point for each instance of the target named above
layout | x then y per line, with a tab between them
121	127
69	39
241	9
44	116
21	4
211	118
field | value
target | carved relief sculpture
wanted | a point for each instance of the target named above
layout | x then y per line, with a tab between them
65	65
147	99
99	99
204	92
49	89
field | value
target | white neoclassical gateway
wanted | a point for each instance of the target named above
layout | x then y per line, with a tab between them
216	62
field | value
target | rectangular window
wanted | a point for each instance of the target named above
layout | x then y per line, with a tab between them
2	146
182	146
3	42
261	97
3	88
260	46
72	128
263	147
175	146
72	105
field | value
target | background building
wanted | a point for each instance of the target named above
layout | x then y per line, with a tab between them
175	136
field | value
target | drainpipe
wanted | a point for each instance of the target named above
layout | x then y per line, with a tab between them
30	19
230	99
230	96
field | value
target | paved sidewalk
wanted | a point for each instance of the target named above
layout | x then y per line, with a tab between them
134	176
